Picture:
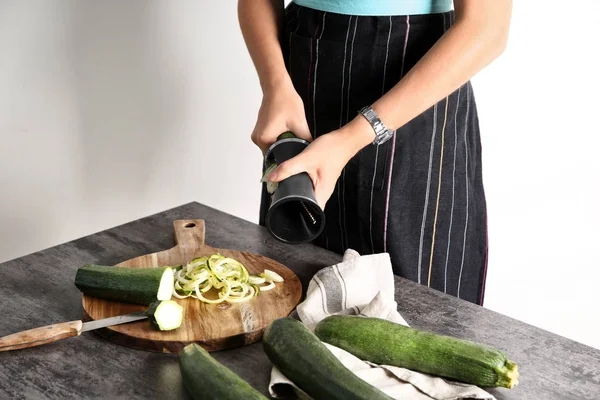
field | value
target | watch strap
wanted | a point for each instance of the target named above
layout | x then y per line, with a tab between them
382	134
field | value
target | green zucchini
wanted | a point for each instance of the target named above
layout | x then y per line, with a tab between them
206	378
127	285
165	315
287	135
387	343
272	186
303	359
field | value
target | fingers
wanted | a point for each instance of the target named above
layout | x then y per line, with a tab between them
260	138
293	166
281	110
297	165
287	169
300	129
265	137
323	182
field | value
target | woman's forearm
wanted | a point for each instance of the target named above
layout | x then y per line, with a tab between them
261	24
478	36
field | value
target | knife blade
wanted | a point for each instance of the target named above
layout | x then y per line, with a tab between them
52	333
118	320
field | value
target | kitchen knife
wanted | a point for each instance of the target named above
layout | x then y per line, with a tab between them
52	333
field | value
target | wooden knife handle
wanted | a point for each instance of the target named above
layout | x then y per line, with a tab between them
39	336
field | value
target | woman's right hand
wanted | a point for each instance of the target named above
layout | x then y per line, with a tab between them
281	110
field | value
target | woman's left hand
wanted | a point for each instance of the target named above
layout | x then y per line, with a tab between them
324	159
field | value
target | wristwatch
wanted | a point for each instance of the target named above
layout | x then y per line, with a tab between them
382	134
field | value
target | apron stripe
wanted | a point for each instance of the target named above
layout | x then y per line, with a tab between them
387	50
387	53
344	71
344	234
437	202
462	262
371	202
452	207
347	117
292	18
483	279
315	78
310	66
426	203
405	43
387	200
290	45
341	122
350	72
389	185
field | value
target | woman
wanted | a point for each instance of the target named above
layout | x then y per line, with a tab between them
382	90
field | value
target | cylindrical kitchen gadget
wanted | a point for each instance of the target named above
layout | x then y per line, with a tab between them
294	215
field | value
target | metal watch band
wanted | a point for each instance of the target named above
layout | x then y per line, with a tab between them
382	134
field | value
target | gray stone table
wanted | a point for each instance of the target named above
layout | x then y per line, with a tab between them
38	290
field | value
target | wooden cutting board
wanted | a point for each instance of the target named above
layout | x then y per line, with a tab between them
212	326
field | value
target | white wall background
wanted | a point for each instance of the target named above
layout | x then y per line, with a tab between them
112	110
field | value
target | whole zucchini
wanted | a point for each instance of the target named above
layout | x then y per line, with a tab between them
129	285
387	343
206	379
303	359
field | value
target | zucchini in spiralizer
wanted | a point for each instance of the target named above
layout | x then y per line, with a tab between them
272	186
128	285
387	343
207	379
165	315
303	359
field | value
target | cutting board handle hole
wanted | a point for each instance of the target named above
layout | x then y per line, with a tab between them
190	225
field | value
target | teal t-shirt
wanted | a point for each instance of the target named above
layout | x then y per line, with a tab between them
379	7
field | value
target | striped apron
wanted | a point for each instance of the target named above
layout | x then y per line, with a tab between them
420	195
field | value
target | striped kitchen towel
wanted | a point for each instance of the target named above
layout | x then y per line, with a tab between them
364	285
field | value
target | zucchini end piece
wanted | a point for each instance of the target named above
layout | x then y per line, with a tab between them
165	315
508	375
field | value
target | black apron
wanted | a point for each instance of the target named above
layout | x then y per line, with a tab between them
420	195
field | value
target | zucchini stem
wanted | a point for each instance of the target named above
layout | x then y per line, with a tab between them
508	375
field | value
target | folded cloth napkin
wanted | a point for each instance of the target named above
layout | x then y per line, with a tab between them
364	285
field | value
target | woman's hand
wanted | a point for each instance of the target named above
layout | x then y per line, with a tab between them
325	158
281	110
